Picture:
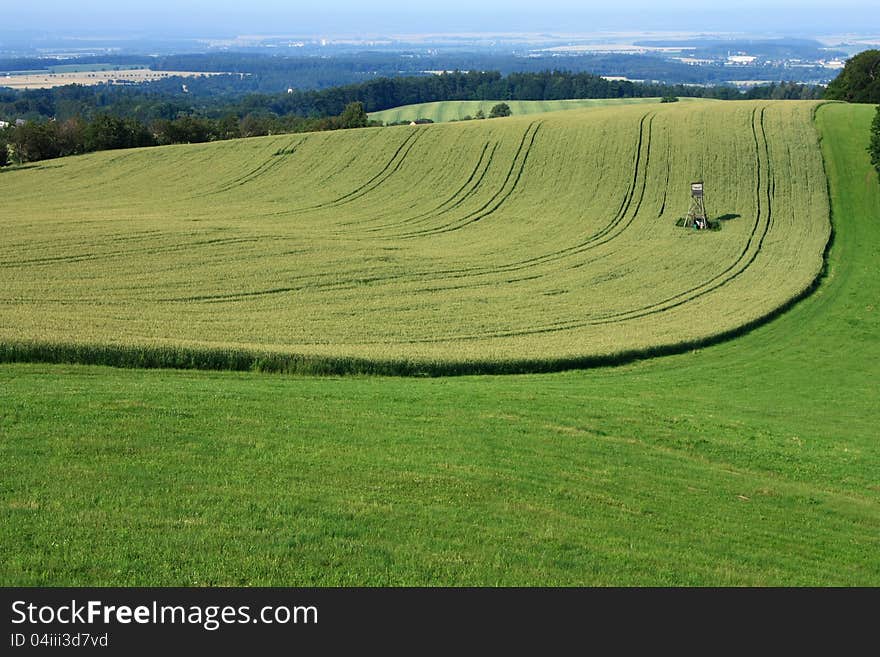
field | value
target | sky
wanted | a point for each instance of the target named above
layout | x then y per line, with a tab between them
357	17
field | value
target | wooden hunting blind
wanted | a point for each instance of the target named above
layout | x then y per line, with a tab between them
696	216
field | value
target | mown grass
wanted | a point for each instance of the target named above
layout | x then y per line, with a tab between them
521	244
456	110
752	462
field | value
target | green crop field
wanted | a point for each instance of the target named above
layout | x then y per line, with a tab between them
455	110
522	244
753	461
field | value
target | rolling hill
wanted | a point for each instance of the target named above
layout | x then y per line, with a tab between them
523	244
752	462
456	110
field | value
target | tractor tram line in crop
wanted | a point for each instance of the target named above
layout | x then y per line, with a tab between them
501	195
746	257
642	156
590	242
470	272
391	167
456	199
263	169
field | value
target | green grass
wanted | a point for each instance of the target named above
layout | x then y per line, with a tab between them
751	462
455	110
513	245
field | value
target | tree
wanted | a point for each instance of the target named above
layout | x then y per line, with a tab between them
228	128
874	148
71	136
253	125
183	130
499	110
33	141
859	81
109	132
669	99
480	114
4	151
354	116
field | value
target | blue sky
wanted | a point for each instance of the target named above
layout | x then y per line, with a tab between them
227	17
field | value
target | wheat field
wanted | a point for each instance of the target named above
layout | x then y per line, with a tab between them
527	243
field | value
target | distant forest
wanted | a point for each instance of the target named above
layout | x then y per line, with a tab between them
260	73
147	102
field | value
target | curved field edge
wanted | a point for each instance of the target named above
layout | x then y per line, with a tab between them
245	358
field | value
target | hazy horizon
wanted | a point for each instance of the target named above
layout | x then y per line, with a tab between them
223	18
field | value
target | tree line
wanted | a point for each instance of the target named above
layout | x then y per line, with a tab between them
32	141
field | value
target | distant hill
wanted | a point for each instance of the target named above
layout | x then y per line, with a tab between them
456	110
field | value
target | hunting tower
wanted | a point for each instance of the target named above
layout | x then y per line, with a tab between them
696	216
